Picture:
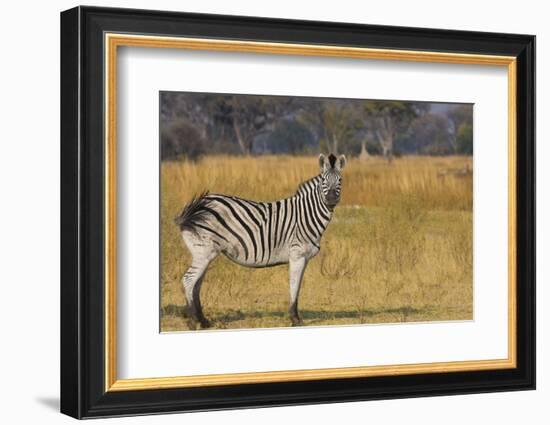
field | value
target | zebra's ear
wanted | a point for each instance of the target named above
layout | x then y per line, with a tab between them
341	162
323	163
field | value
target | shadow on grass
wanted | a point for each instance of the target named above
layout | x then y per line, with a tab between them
317	315
312	316
174	310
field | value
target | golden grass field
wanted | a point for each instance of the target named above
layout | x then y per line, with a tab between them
398	249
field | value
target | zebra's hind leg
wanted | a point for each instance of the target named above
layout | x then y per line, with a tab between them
296	268
192	282
203	254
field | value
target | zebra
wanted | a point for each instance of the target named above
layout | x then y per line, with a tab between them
259	234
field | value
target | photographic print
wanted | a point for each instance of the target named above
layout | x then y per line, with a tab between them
322	198
302	211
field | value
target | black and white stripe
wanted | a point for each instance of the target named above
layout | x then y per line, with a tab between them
260	234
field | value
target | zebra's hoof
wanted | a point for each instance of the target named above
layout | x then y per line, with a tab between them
297	322
205	324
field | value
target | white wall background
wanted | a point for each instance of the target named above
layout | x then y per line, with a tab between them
29	212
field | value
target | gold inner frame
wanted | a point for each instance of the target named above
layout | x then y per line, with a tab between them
113	41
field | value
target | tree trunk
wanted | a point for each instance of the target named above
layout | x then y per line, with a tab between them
250	145
243	145
388	152
385	138
386	143
334	145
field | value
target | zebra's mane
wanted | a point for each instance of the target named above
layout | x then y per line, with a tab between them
302	187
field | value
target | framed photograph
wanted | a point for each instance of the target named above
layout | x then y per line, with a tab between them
261	212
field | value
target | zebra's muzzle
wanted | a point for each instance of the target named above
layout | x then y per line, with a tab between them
332	198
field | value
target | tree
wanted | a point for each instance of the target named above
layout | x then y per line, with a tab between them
290	136
194	108
430	134
225	119
386	119
464	139
250	116
181	139
461	116
334	123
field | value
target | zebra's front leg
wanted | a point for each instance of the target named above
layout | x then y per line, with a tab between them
296	268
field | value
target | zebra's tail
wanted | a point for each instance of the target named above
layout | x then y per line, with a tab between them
193	213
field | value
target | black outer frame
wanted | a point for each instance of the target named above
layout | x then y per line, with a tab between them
82	205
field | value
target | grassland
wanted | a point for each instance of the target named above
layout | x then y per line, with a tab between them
399	247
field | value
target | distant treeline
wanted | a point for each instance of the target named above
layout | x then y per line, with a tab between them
195	124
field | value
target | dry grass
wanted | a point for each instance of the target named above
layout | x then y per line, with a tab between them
399	247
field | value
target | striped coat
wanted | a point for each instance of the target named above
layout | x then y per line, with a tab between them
259	234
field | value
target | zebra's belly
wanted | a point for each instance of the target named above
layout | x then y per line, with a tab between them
275	258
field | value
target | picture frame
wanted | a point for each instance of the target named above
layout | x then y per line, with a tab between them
90	40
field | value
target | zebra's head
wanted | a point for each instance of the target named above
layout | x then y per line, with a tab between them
331	178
